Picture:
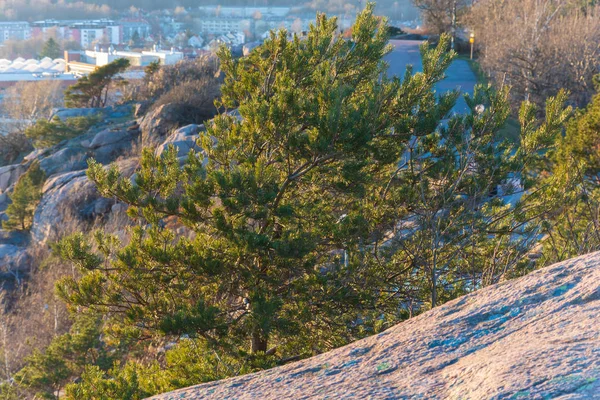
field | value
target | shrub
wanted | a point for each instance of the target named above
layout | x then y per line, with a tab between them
192	84
25	197
48	133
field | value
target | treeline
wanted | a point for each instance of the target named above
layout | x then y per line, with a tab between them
31	10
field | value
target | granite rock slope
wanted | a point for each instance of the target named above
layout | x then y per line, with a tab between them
537	337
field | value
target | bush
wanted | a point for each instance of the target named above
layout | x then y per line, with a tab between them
48	133
196	100
192	84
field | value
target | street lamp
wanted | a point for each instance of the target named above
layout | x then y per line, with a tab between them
453	39
472	41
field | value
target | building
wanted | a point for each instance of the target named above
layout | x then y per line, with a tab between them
131	26
21	70
86	33
50	28
220	25
100	57
165	57
230	40
14	31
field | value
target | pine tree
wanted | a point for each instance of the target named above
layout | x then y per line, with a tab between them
462	201
332	200
280	193
136	40
51	49
93	90
570	200
25	197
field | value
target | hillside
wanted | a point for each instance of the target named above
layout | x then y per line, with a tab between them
535	337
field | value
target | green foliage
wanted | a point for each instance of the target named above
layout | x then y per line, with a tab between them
92	90
136	41
340	202
260	269
47	133
47	372
460	206
151	69
570	199
51	49
25	198
189	362
119	383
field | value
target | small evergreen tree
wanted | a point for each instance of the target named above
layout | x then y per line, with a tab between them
136	40
93	90
48	133
25	197
51	49
151	69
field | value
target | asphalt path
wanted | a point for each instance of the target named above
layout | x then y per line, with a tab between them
459	74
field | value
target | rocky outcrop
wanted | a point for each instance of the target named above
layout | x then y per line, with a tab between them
13	252
537	337
64	113
184	139
9	176
69	158
159	123
114	112
70	200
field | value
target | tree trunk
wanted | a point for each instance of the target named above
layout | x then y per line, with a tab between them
259	343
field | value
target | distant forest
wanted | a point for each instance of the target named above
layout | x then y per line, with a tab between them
30	10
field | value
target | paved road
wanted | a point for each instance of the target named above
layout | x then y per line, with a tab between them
459	74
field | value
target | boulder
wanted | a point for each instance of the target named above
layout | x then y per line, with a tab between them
36	154
13	258
120	111
65	160
69	200
184	139
159	123
13	251
63	197
140	109
64	113
10	174
108	137
536	337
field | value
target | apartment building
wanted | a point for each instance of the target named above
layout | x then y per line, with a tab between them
14	31
131	26
220	25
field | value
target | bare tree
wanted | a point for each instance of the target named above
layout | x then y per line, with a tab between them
26	102
439	15
538	46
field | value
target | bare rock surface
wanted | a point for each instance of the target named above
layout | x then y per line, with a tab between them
13	251
9	175
184	139
69	199
537	337
159	123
